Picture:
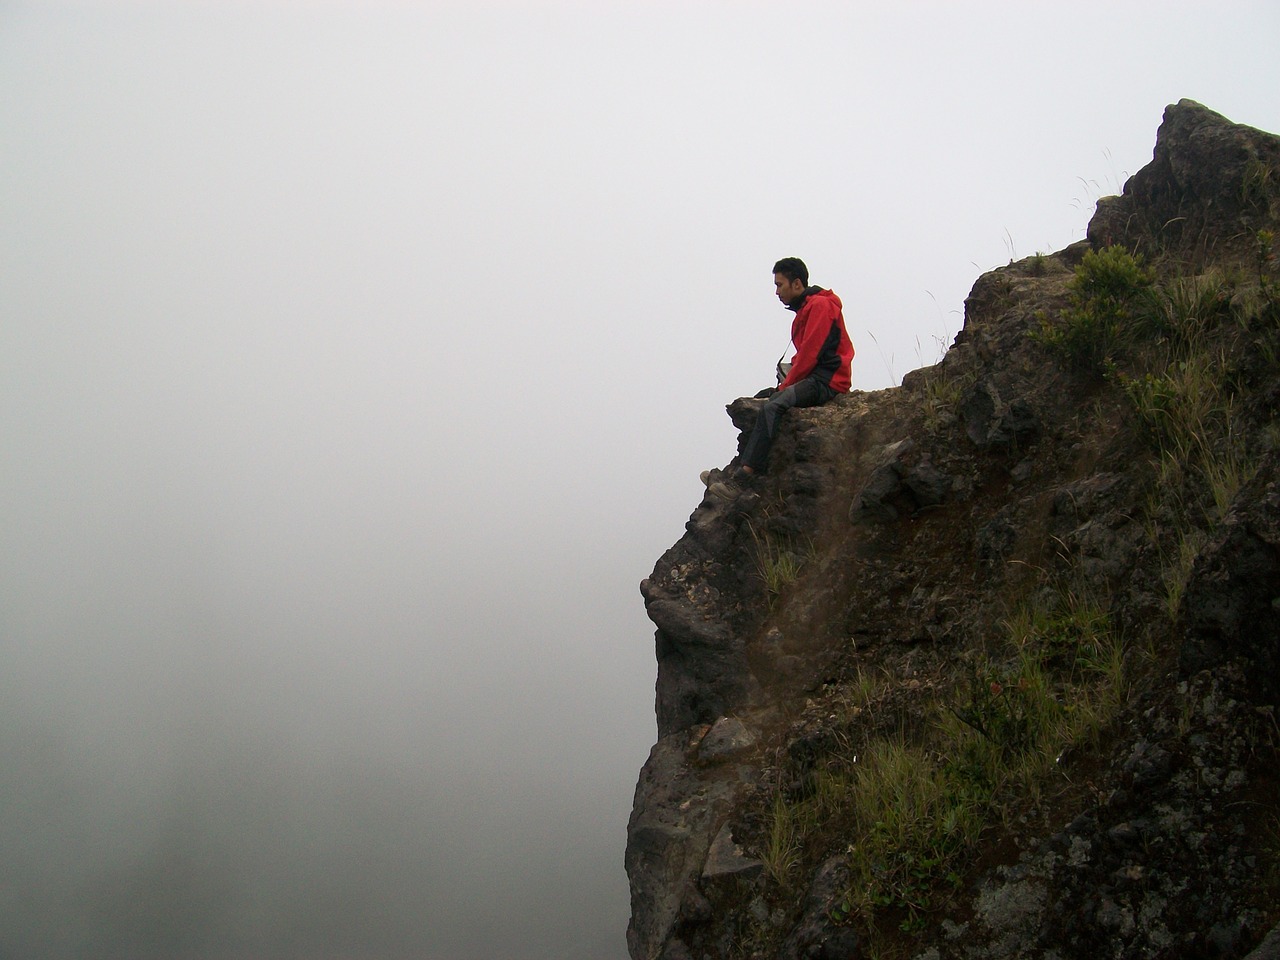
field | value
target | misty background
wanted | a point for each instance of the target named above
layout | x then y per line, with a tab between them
358	361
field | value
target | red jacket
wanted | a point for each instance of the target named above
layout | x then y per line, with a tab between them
823	347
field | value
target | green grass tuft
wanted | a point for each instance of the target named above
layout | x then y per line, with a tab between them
911	810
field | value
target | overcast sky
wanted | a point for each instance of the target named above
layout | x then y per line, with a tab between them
357	360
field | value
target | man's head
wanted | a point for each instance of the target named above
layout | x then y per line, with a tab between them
790	279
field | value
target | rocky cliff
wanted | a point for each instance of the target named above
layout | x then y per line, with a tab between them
986	668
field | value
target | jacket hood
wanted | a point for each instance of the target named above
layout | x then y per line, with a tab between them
814	291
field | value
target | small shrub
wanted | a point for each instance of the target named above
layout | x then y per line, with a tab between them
1111	279
781	851
778	561
942	393
1177	571
1109	297
1257	183
917	815
1185	310
998	706
1190	419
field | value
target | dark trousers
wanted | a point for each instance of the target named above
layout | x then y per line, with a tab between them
806	393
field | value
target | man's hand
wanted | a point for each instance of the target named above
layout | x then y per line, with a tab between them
766	393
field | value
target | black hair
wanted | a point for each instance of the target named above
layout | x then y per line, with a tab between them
792	268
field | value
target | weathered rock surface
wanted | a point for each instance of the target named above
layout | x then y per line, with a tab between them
907	518
1207	191
1232	605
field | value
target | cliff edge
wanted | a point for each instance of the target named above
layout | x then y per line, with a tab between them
987	668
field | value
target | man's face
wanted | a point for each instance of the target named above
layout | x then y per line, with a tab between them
789	291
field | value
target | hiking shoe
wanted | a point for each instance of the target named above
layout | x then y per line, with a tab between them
732	485
705	477
724	490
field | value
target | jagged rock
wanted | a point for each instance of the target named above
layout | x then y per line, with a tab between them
695	908
728	737
1147	764
927	485
668	838
725	859
1269	949
990	422
1105	547
816	936
876	500
743	413
996	537
702	671
1082	498
1232	602
1210	186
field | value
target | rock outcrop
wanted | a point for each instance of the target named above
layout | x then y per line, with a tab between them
858	595
1209	188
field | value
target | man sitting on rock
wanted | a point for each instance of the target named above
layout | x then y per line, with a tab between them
819	370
